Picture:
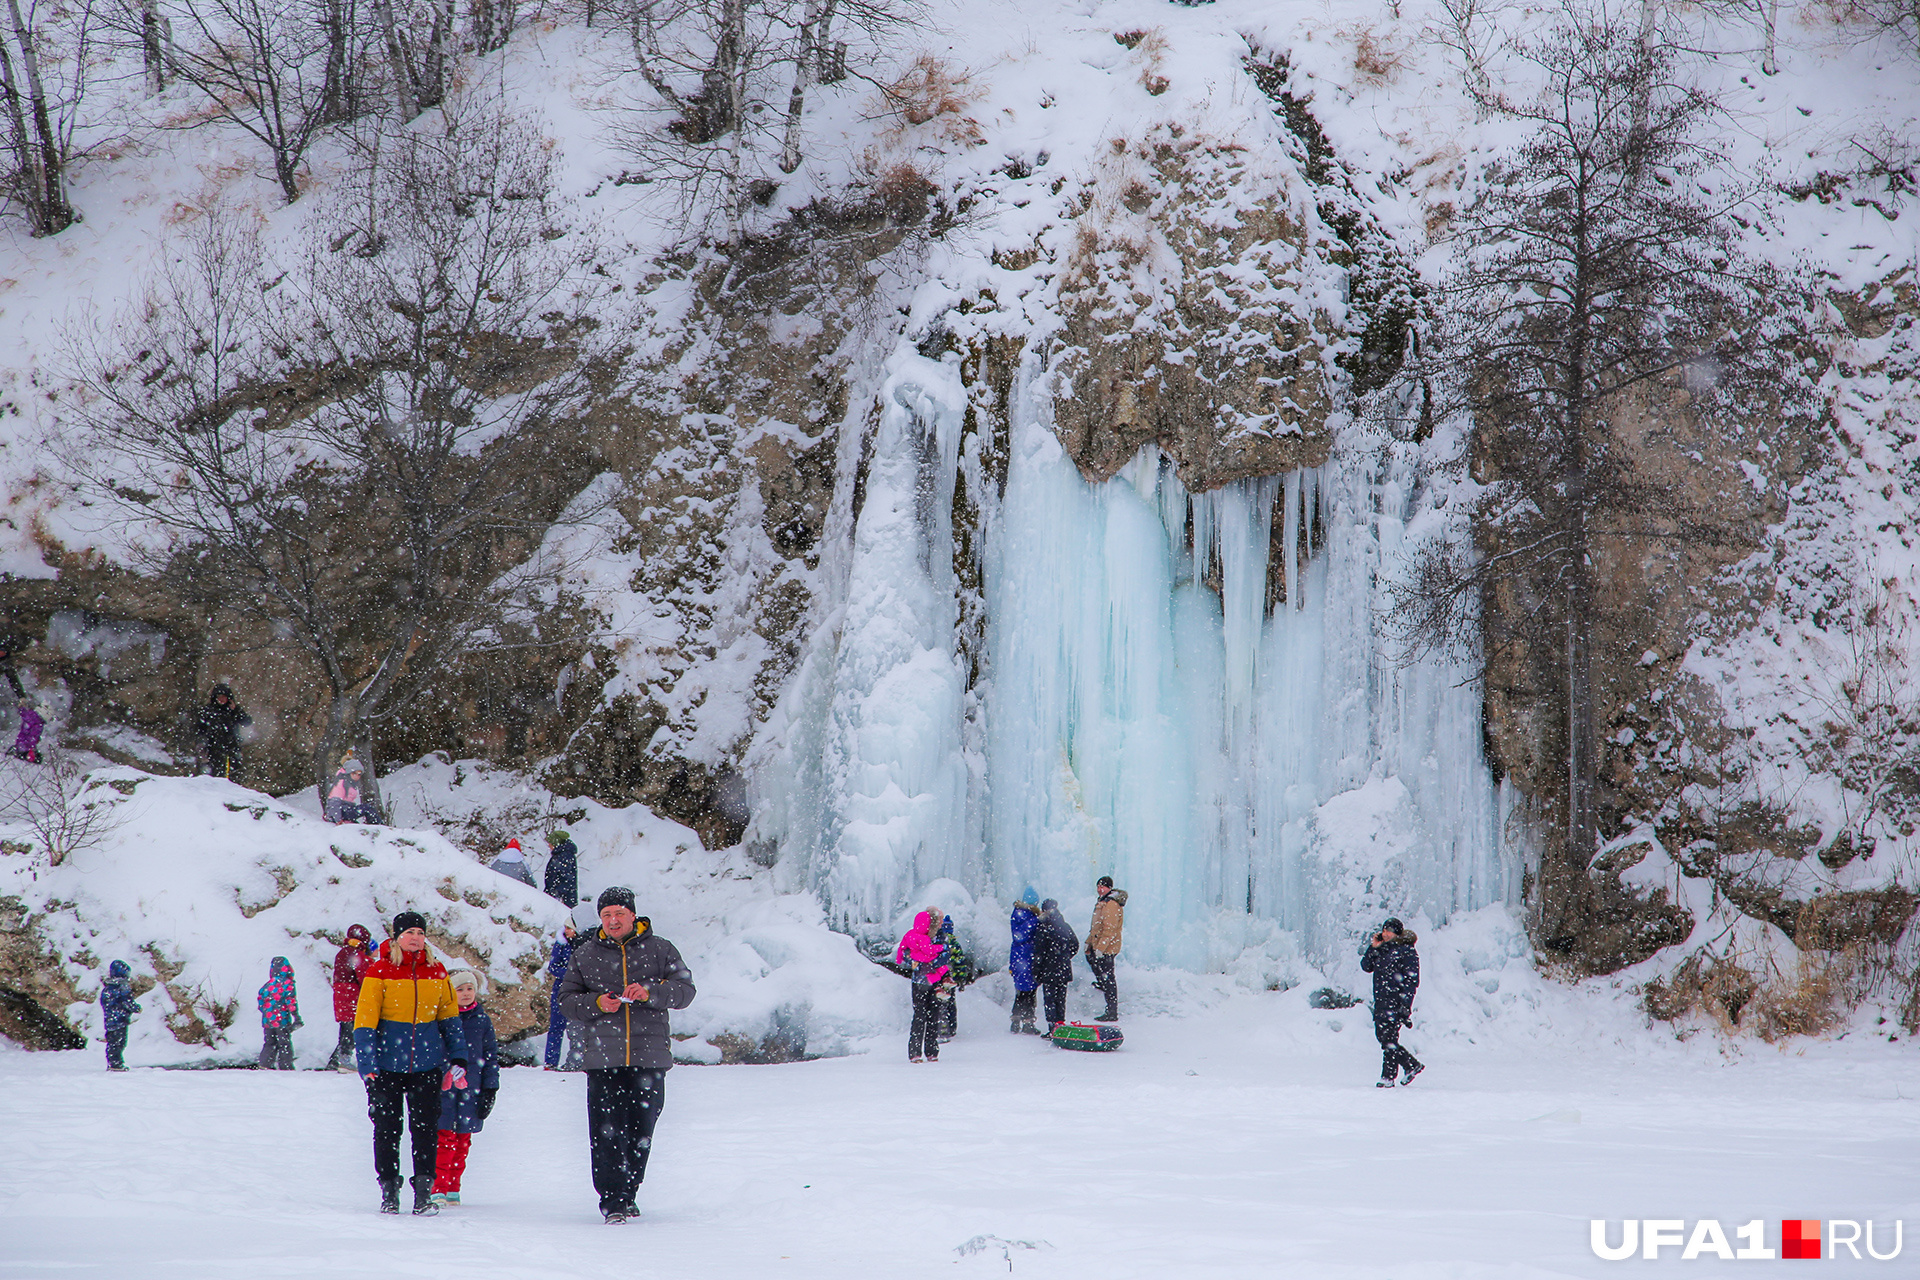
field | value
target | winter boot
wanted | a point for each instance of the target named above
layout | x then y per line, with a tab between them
423	1203
1111	1015
389	1197
1413	1071
615	1217
1384	1082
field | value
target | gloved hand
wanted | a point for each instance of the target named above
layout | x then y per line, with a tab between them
456	1078
486	1102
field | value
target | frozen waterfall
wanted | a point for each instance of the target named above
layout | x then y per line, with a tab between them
1157	701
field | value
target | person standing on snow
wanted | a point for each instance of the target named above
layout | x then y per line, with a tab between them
8	671
1103	945
620	983
1389	956
556	1017
465	1109
349	967
562	879
513	864
117	1007
923	961
959	976
279	1016
218	726
33	721
1054	943
1025	920
408	1040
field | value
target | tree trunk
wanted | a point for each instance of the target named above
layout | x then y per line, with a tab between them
57	211
815	28
152	47
1770	62
336	95
405	102
26	156
433	75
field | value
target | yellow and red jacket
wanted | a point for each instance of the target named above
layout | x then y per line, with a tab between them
407	1018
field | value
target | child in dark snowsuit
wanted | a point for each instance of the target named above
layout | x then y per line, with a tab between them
464	1110
1389	956
279	1016
922	959
26	744
117	1007
960	973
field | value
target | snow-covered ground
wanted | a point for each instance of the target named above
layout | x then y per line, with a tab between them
1243	1140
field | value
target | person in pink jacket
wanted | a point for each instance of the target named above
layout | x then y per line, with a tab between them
923	961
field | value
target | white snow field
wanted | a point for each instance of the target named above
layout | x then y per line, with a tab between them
1243	1140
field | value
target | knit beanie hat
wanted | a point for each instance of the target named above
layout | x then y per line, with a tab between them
1393	925
465	977
408	920
1030	896
615	895
512	850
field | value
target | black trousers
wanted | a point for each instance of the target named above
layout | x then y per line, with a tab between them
623	1105
1023	1002
1054	995
1386	1029
420	1092
923	1037
947	1010
276	1048
223	761
343	1047
1103	979
116	1048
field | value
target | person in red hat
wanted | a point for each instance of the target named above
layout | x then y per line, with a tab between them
512	862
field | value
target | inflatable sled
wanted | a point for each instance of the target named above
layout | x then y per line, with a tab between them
1102	1037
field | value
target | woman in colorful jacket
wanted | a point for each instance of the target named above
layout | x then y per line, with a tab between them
464	1110
408	1042
279	1016
923	961
349	966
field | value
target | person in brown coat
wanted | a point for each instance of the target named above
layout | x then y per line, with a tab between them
1103	944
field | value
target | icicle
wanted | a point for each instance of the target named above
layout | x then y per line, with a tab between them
1290	540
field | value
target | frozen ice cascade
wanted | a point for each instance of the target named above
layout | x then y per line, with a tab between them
1140	707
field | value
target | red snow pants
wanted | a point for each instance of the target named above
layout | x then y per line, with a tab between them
450	1160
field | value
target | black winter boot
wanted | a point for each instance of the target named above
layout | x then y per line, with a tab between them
389	1197
423	1205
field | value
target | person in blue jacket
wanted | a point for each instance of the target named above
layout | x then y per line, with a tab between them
556	1019
465	1108
117	1007
1389	956
1026	918
562	879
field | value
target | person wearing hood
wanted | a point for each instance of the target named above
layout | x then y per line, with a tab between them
557	962
1054	943
218	726
561	881
923	961
33	722
465	1109
408	1041
9	672
117	1007
1025	920
621	982
513	864
1103	944
349	967
345	798
279	1016
1390	957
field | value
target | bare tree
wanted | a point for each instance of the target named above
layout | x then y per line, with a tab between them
1600	258
356	465
65	809
45	55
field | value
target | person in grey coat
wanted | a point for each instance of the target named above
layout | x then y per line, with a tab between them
619	985
512	862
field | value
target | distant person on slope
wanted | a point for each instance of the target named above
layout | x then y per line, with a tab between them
33	721
1025	920
117	1007
1389	956
959	977
1054	943
620	983
557	962
218	726
279	1016
513	864
1103	945
349	967
345	798
408	1040
464	1109
7	670
562	879
923	960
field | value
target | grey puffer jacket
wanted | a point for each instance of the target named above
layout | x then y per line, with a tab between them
634	1035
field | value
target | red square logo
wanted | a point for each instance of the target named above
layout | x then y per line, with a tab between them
1800	1238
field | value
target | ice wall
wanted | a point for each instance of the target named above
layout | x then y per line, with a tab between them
1142	710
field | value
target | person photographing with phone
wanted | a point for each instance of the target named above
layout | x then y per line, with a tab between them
620	982
1389	956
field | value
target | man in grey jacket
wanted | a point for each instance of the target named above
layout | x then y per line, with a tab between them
618	987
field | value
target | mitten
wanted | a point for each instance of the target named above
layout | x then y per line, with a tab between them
486	1102
456	1078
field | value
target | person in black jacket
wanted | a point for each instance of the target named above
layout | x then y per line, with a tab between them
1389	956
1054	946
8	672
562	879
218	726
